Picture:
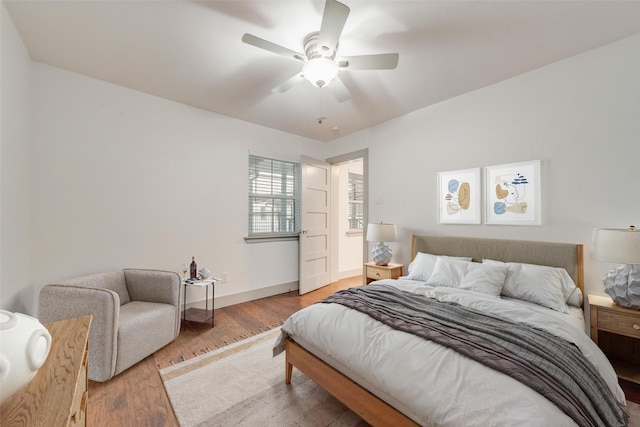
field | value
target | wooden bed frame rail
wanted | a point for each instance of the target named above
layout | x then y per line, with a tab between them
368	406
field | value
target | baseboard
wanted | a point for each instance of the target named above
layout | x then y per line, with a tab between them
349	273
254	294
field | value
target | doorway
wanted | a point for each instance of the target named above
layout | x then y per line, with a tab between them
348	247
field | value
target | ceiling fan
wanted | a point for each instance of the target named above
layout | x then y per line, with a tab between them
321	60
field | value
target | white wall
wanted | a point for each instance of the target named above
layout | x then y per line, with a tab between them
578	116
124	179
16	290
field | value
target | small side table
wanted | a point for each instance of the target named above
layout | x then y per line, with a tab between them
198	314
616	330
378	272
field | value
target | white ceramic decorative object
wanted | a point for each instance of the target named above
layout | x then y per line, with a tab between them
623	286
204	273
24	347
381	254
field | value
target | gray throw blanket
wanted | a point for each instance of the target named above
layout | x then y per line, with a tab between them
548	364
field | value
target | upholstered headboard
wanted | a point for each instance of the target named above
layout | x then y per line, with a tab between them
565	255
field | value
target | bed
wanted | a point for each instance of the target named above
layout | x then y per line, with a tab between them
373	360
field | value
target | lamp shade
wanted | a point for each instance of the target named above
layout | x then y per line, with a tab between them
616	245
381	233
320	71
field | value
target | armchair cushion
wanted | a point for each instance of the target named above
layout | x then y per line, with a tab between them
144	328
155	286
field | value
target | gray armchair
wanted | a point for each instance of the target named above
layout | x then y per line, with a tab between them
135	312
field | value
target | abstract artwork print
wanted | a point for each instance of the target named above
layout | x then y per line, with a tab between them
513	193
459	197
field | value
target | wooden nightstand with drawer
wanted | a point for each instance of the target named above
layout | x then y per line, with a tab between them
378	272
616	330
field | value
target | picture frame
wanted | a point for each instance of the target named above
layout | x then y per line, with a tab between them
460	197
512	193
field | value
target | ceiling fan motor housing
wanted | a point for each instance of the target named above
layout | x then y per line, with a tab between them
313	50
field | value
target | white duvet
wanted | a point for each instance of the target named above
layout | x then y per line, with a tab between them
433	384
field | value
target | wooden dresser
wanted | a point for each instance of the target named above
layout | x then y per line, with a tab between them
57	396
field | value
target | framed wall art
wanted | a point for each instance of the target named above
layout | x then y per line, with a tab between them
513	194
459	197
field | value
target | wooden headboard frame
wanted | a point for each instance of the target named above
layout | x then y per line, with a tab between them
565	255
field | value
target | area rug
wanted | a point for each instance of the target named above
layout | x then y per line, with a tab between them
243	385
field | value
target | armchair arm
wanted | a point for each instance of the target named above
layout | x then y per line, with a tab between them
58	302
153	286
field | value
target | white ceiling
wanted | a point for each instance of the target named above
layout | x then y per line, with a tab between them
191	51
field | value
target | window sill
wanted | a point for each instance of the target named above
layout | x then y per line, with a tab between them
271	238
355	232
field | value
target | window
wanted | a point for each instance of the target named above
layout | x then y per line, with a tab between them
356	196
274	197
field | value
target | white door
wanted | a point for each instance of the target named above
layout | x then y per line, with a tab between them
314	223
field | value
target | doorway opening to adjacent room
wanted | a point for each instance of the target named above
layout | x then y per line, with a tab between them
348	218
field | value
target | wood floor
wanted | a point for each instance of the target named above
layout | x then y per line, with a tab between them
136	397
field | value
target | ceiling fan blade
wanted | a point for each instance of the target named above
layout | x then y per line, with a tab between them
382	61
333	20
288	84
339	90
272	47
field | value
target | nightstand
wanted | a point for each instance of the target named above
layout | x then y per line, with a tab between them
378	272
616	330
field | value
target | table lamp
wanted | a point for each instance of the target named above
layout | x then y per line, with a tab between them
381	233
620	246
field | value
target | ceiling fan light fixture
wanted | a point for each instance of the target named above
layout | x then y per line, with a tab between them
320	71
321	62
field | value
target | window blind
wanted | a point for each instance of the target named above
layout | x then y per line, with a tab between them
356	198
274	196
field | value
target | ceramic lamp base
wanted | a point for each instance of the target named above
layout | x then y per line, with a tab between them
623	286
381	254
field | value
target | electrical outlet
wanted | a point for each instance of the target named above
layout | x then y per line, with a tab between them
224	276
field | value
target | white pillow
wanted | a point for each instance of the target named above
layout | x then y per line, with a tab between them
488	279
422	266
547	286
472	276
447	272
